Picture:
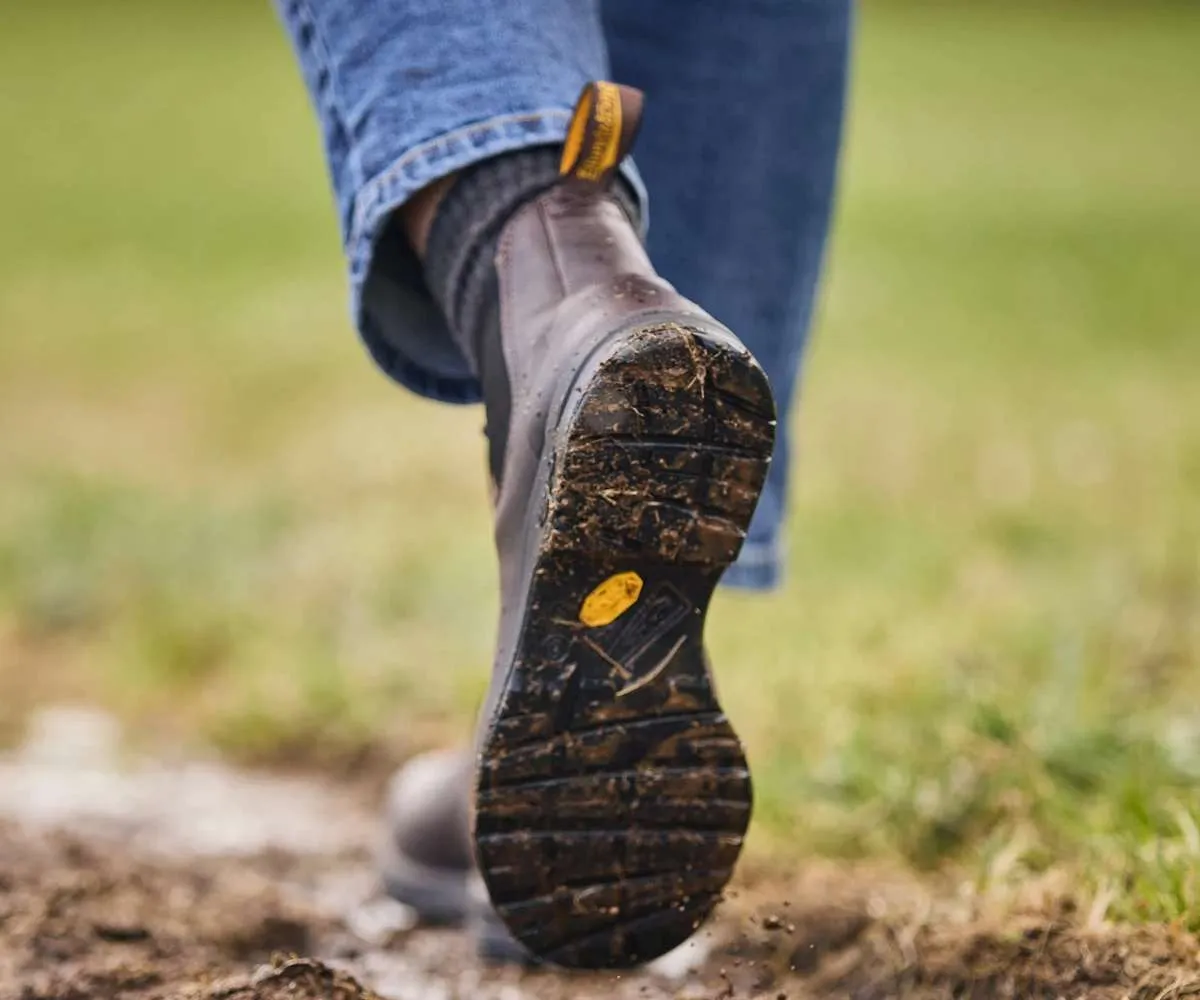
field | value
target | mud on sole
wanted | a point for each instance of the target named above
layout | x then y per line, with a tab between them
613	794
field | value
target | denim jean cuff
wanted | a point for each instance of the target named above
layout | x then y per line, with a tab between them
400	324
757	568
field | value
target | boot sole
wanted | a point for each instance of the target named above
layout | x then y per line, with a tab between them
613	795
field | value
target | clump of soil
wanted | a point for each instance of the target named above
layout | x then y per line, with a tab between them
295	979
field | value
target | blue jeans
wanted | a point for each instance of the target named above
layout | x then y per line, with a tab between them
739	147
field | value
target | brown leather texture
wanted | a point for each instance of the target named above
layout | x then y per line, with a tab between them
572	271
612	795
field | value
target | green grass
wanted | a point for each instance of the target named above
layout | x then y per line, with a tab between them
218	520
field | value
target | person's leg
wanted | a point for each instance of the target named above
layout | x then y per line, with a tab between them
611	793
415	99
744	107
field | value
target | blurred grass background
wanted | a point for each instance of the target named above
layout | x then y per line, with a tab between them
218	521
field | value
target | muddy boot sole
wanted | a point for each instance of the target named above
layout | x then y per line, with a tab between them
613	794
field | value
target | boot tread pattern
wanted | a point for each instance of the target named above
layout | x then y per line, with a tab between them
613	794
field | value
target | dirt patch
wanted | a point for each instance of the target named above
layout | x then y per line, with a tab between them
148	880
844	940
81	920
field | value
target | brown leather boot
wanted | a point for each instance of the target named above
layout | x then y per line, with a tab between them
612	793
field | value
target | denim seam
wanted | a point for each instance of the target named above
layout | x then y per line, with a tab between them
759	554
371	192
321	56
757	576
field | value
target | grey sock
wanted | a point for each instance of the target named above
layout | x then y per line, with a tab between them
460	264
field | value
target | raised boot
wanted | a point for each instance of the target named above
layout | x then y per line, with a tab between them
612	794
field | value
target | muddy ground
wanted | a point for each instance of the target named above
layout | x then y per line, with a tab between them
139	880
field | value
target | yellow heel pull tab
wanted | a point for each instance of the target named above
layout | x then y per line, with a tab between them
605	123
611	599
